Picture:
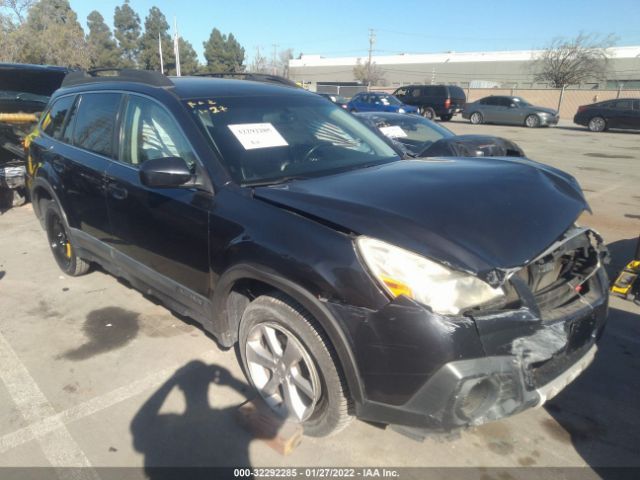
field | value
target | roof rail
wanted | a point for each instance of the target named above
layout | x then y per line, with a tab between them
256	77
149	77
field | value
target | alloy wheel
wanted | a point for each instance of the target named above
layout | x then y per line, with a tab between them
59	241
282	371
597	124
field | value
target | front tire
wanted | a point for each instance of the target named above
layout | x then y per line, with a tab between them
63	250
291	363
476	118
597	124
532	121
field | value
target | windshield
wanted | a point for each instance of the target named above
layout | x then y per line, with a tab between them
389	100
270	139
415	133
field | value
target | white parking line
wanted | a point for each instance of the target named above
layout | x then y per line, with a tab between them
45	425
59	447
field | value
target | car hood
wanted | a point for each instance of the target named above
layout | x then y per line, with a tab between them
473	146
483	217
550	111
35	79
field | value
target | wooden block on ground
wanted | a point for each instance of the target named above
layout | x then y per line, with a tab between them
280	434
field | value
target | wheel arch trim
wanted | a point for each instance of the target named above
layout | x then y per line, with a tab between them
228	327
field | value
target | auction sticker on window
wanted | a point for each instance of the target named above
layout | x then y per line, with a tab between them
394	131
257	135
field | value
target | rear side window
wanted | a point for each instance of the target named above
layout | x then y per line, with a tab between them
623	105
53	121
95	122
456	92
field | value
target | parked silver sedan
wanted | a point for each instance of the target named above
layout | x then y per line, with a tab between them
509	110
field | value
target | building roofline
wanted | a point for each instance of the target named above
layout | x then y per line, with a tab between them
447	57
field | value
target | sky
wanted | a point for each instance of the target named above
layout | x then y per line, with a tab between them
334	28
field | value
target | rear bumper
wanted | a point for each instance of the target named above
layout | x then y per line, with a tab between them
434	373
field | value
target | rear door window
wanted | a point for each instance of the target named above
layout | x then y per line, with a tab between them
53	121
95	122
456	92
623	105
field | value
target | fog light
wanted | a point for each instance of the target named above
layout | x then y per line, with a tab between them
476	397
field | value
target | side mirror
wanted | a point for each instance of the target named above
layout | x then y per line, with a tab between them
165	172
513	105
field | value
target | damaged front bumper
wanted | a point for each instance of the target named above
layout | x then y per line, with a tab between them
435	373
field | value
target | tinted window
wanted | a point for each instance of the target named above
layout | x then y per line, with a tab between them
53	121
623	105
456	92
150	132
95	122
416	92
502	101
490	101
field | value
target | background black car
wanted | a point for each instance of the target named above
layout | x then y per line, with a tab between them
416	137
24	93
620	113
443	101
337	99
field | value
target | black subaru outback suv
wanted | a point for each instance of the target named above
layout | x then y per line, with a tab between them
433	294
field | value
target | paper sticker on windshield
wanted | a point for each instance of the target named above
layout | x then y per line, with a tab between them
257	135
394	131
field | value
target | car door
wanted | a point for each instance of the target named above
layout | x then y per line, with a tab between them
81	157
162	232
635	115
502	111
622	114
488	107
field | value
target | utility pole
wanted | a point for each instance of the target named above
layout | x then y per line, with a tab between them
273	63
372	41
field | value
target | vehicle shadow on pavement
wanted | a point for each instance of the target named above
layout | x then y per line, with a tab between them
599	413
202	436
622	252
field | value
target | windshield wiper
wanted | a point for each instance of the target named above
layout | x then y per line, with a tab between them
277	181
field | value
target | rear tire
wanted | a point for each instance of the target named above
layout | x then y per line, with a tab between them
428	113
476	118
63	250
310	389
532	121
597	124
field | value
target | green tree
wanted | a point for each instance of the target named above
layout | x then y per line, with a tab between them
126	24
155	25
52	35
103	50
188	58
223	53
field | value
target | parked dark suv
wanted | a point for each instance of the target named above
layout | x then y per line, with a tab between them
443	101
430	294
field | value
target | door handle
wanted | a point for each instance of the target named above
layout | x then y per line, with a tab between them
118	192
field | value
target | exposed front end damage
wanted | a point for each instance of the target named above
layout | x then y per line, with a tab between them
439	373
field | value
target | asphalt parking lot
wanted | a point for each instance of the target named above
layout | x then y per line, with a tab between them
92	373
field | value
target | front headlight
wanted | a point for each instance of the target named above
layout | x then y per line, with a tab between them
401	272
401	110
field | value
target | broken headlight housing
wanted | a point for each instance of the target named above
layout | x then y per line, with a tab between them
401	272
